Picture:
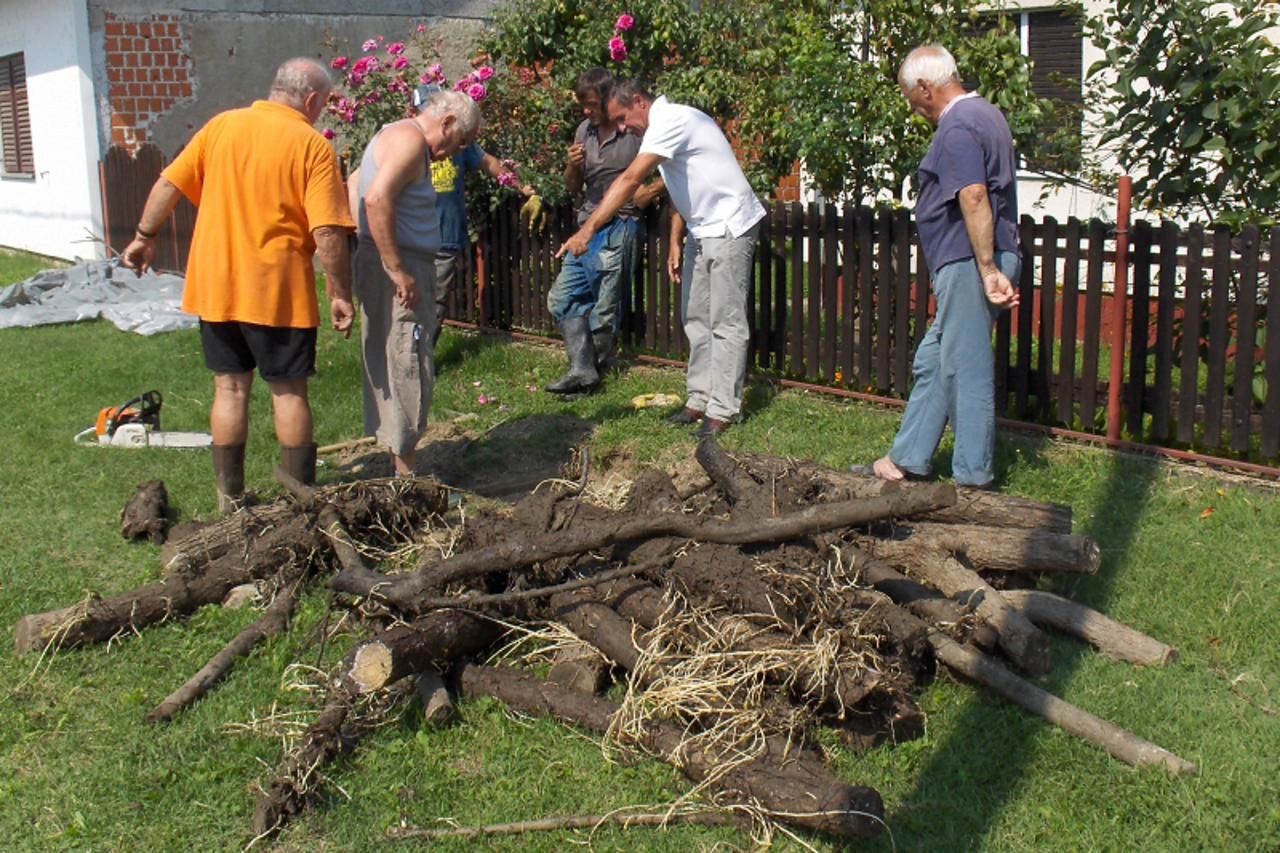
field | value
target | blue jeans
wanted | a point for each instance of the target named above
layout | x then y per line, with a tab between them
596	282
954	371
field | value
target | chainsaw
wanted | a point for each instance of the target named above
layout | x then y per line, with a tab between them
136	423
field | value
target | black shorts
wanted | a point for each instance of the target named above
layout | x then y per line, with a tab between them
279	354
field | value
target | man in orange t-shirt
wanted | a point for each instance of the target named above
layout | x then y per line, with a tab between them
270	195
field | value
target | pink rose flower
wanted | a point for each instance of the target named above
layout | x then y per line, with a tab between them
366	65
369	45
355	78
483	73
339	63
477	91
508	179
617	49
328	133
422	28
395	48
625	22
400	62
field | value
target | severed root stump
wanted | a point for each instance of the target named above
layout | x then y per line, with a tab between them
1100	631
431	643
146	515
794	789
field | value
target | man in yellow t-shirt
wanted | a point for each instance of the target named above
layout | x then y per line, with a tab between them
269	194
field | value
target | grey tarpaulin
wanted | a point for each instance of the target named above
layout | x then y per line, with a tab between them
94	289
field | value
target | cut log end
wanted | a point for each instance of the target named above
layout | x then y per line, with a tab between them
371	667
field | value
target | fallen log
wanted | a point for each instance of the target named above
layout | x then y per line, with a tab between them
433	642
272	622
190	546
972	506
793	789
987	672
402	590
101	619
1112	638
146	515
746	497
923	601
1022	642
995	548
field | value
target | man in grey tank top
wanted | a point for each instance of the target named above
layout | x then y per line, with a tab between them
399	228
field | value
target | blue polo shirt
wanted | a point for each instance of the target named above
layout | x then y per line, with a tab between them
449	179
972	145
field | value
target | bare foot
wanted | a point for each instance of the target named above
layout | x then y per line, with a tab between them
407	465
885	469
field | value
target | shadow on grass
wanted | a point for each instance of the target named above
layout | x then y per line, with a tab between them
983	762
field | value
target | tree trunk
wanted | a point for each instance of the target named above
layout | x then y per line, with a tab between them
1102	632
996	548
432	642
146	516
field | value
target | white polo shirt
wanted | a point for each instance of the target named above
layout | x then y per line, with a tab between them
701	172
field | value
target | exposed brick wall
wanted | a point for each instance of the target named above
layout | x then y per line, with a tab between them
789	187
148	73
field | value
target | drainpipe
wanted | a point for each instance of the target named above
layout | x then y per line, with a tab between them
1119	318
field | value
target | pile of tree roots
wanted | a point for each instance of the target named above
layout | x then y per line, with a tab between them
716	623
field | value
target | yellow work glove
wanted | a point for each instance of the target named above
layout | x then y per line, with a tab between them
532	214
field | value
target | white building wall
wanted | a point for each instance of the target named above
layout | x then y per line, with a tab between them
54	212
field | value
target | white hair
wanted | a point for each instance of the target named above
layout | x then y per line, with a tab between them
931	63
446	102
298	77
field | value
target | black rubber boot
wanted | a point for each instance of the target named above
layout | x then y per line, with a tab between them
300	463
582	376
605	343
228	473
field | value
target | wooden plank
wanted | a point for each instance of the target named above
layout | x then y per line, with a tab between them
1189	356
884	298
866	294
1092	341
901	303
779	343
1219	309
812	293
795	348
764	290
1271	406
1070	317
1026	316
1048	309
830	300
1246	317
1166	305
1140	314
848	292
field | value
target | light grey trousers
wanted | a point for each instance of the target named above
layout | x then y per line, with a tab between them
399	366
718	276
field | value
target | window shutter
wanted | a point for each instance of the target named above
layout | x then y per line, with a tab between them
1055	44
15	116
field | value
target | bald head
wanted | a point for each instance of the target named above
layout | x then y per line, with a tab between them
302	83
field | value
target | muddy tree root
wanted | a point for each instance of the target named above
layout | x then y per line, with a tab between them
146	515
401	591
431	643
1110	637
972	506
274	621
1121	744
101	619
1000	549
794	790
551	824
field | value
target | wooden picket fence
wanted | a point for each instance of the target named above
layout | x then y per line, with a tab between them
841	299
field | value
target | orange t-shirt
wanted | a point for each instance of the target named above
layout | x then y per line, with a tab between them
263	179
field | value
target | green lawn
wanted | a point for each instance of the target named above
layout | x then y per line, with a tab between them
1188	558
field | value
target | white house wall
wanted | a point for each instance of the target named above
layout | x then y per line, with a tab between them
53	212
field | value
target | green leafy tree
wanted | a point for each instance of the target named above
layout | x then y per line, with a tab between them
807	80
1189	95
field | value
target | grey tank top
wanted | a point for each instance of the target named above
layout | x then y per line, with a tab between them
417	219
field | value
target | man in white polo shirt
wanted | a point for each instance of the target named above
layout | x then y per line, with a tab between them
712	197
